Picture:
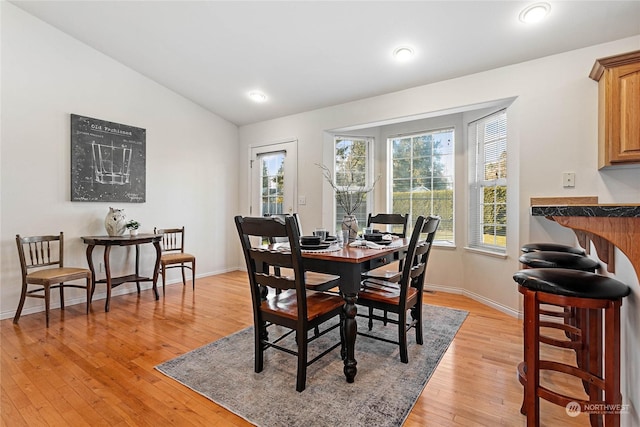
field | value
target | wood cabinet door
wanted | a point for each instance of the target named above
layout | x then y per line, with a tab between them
622	121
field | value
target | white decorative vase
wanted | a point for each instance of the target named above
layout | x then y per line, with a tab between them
115	222
133	232
350	223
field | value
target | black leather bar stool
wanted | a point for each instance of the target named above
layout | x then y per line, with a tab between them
556	259
596	295
554	247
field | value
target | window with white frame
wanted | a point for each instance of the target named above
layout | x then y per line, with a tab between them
488	183
353	169
422	177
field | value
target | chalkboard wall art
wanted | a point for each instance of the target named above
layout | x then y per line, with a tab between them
107	161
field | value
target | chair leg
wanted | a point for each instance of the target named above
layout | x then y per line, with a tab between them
164	278
416	315
370	318
184	277
402	336
47	298
259	335
61	288
302	361
23	296
193	275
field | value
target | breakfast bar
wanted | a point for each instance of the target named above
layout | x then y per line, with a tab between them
606	225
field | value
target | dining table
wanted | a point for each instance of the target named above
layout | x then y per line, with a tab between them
349	262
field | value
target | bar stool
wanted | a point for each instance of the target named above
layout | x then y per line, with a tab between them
567	260
594	294
554	247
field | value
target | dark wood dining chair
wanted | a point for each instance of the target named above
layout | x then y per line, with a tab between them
174	256
390	272
296	308
407	294
398	223
42	265
393	271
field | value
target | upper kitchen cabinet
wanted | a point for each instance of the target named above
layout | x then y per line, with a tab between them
618	80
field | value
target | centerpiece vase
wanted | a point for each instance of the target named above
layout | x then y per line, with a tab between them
350	223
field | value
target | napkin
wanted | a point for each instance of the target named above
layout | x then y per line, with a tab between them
366	243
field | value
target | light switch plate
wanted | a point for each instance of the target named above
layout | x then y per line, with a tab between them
569	179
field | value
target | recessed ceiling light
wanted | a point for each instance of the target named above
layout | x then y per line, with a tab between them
257	96
403	53
535	12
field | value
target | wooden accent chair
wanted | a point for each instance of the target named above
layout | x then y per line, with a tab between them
174	256
407	293
43	266
295	307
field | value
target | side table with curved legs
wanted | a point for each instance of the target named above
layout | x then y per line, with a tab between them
112	282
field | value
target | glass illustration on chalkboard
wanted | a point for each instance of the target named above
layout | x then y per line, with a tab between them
107	161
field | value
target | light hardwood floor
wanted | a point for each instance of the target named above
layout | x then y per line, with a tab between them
98	369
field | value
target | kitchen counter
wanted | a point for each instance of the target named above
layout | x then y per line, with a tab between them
606	225
599	210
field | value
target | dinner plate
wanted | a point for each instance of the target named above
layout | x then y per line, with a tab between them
312	247
382	242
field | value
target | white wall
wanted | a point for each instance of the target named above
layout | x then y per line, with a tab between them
552	129
191	162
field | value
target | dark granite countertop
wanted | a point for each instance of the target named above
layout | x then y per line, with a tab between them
600	210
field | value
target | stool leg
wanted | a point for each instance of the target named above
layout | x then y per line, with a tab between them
594	358
612	362
532	357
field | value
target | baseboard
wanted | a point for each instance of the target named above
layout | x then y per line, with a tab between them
476	297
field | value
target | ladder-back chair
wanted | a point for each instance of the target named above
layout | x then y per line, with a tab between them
296	308
407	294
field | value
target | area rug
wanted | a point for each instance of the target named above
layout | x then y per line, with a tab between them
383	393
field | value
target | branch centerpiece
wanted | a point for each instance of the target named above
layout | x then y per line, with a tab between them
351	192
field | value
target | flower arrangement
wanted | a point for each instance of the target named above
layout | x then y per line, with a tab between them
132	225
351	194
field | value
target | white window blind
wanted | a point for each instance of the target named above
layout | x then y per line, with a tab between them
488	183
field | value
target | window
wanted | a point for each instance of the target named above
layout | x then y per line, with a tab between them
488	186
422	177
272	182
353	170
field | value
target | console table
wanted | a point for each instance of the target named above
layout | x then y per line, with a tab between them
112	282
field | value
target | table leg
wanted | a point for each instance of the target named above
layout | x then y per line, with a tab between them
107	270
349	333
138	268
156	268
93	271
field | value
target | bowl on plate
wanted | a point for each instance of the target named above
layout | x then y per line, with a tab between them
373	237
310	240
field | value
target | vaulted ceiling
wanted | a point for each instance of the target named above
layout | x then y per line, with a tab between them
309	54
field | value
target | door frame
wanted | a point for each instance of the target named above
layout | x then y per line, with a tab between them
291	147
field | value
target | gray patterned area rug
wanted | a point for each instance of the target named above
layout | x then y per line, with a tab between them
383	393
